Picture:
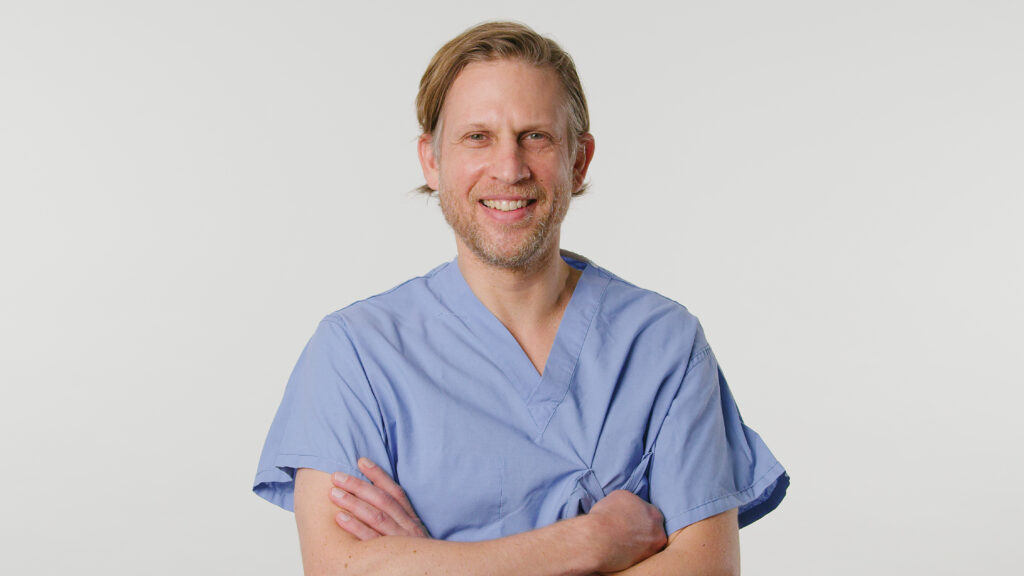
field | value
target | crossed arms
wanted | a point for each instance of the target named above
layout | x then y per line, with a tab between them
339	533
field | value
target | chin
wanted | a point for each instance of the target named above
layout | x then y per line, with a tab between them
525	258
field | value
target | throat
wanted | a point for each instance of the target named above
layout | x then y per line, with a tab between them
536	336
537	347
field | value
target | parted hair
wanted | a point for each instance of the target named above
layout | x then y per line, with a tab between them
495	41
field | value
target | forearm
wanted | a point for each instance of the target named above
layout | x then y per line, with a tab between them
557	550
569	547
709	547
672	563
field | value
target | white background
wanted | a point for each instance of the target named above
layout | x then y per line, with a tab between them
834	188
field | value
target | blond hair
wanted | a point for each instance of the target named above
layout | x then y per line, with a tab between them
495	41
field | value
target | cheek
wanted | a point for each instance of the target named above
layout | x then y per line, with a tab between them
558	167
464	172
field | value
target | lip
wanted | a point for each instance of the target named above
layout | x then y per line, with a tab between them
506	197
511	215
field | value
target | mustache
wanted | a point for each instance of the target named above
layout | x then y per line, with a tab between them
530	190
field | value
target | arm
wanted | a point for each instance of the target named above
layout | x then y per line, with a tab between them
582	545
378	507
708	547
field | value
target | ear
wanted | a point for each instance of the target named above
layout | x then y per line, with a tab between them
428	161
584	154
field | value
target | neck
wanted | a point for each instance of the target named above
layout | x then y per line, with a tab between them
523	300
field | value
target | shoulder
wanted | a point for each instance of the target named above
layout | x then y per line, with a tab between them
412	301
627	305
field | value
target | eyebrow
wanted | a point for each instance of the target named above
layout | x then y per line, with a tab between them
531	127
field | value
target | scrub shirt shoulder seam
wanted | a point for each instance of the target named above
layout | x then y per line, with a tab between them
695	360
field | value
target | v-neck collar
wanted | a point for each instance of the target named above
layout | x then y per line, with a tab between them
540	393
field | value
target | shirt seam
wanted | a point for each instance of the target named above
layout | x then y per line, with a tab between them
694	361
724	496
576	361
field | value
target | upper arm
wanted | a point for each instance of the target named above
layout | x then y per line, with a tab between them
712	544
323	543
705	459
328	418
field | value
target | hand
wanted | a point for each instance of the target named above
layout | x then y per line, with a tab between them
626	530
377	509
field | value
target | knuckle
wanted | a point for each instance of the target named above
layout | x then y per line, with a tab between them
377	518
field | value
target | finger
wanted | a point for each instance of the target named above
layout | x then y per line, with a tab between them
377	498
353	526
369	515
381	479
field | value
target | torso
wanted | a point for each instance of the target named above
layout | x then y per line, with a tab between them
483	443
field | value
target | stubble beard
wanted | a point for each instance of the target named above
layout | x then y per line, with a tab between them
528	251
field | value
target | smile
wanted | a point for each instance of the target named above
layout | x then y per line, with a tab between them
505	205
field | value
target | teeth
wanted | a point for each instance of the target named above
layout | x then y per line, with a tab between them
506	205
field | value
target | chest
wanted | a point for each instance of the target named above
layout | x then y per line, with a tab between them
482	456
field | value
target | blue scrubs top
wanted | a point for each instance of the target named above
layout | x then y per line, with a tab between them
427	383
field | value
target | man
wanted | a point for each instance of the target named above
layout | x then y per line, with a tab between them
542	415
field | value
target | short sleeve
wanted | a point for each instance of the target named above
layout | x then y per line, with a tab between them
705	459
327	420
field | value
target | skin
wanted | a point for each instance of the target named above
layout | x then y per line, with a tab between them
369	510
504	137
491	150
621	531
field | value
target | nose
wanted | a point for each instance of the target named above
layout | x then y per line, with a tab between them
509	165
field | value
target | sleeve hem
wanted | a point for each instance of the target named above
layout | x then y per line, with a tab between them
758	499
277	485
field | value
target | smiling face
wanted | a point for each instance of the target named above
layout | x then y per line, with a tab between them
503	166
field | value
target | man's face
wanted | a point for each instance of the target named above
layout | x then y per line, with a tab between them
503	167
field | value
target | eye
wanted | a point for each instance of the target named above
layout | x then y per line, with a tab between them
537	140
476	137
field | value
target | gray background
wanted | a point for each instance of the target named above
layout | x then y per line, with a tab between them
834	188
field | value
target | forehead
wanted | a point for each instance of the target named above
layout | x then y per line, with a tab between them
505	91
